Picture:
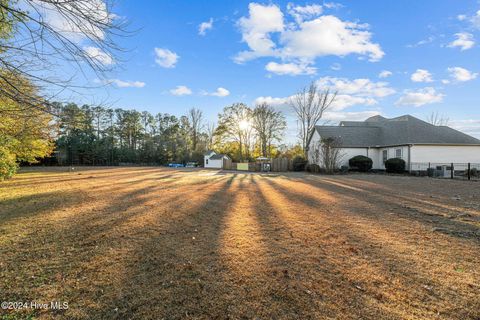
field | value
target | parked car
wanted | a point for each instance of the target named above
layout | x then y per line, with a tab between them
191	165
176	165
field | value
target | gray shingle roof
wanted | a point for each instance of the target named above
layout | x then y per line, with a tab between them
379	131
218	156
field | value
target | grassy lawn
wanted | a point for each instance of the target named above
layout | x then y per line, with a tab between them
153	243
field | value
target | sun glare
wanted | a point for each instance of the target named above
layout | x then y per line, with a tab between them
244	124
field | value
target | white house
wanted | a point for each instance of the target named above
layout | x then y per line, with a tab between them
405	137
214	160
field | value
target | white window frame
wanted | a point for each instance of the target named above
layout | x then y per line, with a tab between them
385	155
401	153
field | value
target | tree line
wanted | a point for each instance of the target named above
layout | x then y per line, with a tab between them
34	128
86	135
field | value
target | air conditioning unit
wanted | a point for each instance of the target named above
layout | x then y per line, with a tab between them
444	171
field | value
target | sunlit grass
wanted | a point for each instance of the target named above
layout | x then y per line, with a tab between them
210	244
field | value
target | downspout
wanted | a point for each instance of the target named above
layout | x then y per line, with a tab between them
409	155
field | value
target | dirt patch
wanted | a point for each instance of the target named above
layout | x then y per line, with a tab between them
153	243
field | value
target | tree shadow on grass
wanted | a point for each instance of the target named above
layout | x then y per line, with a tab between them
34	205
429	214
59	253
355	223
310	283
387	192
170	273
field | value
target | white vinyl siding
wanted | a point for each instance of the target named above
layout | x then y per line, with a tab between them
445	154
217	164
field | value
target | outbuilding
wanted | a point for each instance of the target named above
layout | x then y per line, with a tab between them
214	160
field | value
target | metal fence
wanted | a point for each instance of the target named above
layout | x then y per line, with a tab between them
469	171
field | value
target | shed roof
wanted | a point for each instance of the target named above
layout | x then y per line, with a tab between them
218	156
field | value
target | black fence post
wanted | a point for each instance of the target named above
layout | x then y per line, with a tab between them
468	171
451	172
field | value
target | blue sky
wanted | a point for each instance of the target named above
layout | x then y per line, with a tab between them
387	57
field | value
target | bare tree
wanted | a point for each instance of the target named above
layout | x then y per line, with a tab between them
269	125
328	154
211	127
309	104
195	117
437	119
39	36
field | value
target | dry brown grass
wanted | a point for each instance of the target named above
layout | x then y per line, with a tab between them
151	243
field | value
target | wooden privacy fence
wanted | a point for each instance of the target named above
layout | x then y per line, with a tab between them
227	164
281	164
277	165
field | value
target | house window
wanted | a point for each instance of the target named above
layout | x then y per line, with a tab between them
385	155
398	153
206	161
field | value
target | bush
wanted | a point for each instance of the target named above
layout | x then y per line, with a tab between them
474	172
313	168
8	164
395	165
298	163
361	163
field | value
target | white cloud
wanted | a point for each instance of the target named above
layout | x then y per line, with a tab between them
428	40
358	87
357	92
306	12
333	114
469	126
292	69
268	33
336	66
385	74
461	74
475	20
332	5
363	92
420	97
166	58
421	75
220	92
348	116
275	102
98	55
343	101
464	41
181	91
126	84
256	30
205	26
328	35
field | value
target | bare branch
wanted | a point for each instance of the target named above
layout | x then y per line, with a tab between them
309	105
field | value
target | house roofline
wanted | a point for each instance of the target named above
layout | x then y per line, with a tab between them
446	144
416	144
